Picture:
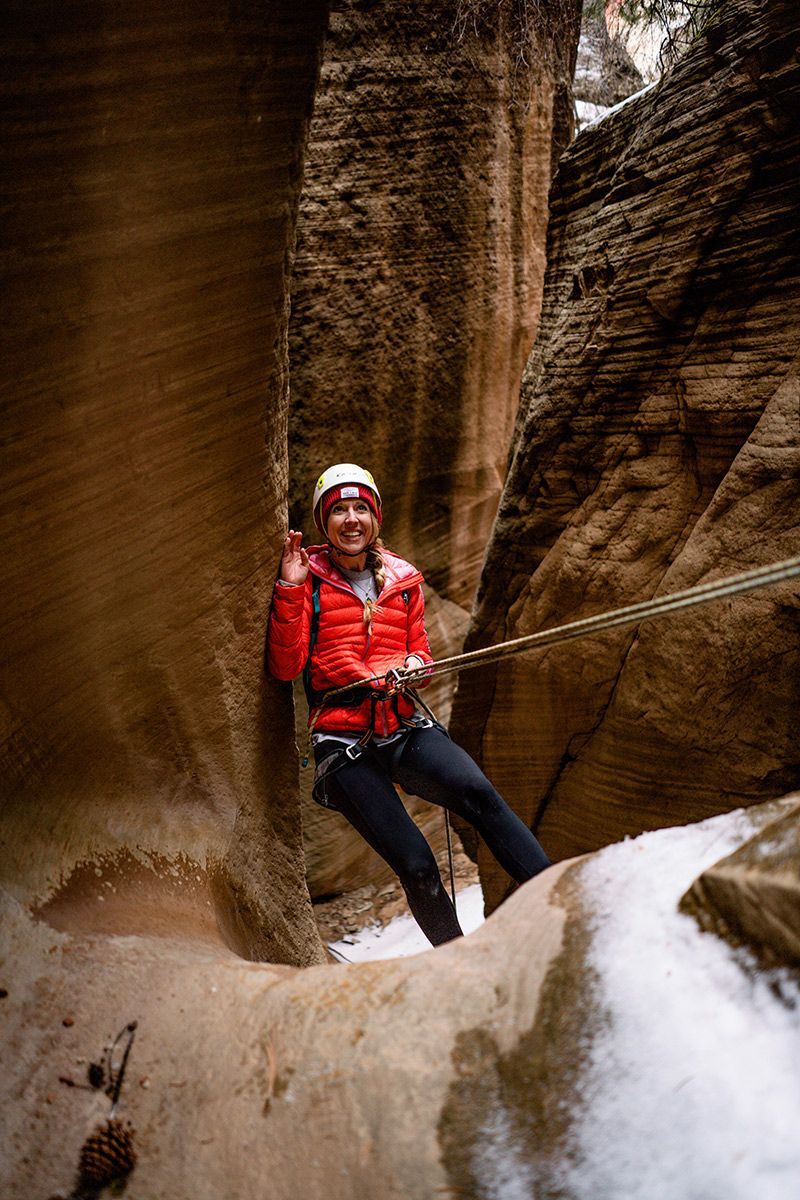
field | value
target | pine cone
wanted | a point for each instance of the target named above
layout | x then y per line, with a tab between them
107	1154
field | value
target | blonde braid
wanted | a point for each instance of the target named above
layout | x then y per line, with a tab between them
375	564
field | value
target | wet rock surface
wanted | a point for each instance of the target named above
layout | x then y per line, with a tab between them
657	446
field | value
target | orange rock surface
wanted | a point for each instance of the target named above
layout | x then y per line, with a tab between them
152	173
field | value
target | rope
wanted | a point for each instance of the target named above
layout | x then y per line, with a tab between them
450	858
631	614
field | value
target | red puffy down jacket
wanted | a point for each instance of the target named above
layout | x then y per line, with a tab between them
344	652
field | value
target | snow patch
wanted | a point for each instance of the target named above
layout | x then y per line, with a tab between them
501	1170
693	1087
403	936
587	113
602	113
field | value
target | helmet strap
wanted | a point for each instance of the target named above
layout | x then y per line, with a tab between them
350	553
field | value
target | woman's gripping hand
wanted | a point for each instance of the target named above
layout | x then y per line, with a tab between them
294	561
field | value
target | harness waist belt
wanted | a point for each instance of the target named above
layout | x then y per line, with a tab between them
351	699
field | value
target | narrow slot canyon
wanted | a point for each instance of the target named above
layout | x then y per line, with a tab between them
550	301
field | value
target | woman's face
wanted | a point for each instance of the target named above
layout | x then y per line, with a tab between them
349	526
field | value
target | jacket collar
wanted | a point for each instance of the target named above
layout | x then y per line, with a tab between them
398	571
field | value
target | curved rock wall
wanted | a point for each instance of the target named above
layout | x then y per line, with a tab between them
152	163
658	445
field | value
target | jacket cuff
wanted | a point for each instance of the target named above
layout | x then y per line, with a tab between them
288	600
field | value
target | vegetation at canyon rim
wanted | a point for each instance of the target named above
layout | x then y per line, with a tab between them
679	20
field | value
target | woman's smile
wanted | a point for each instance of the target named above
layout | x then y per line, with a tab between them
349	526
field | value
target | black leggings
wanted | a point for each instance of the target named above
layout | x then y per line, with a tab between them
429	765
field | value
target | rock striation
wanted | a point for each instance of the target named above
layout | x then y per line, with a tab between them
153	160
657	446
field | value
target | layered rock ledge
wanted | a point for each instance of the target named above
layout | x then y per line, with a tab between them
752	897
568	1049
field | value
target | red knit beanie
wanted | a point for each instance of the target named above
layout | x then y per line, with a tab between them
348	491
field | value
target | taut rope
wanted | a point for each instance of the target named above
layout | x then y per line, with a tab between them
630	614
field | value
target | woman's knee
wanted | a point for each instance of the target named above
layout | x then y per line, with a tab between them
480	801
420	874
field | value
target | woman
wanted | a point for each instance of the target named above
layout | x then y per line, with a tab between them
351	610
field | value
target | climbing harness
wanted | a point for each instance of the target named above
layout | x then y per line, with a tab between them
376	689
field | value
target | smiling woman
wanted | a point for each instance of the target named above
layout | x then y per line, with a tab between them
351	611
351	530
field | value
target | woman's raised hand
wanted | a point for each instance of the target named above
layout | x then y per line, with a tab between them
294	562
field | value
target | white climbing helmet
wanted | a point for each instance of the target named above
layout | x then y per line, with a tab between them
344	475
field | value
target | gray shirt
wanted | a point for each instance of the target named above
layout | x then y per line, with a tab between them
362	582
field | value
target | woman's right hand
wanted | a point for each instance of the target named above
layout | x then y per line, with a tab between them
294	562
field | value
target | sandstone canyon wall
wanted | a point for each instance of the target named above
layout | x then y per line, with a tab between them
657	445
420	260
156	166
152	164
416	290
